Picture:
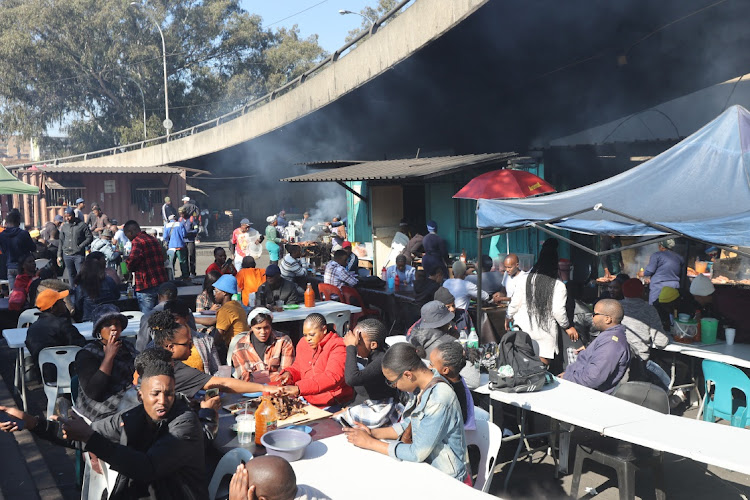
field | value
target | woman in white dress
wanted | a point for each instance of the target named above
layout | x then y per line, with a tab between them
538	305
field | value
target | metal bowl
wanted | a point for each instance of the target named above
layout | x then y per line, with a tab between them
286	443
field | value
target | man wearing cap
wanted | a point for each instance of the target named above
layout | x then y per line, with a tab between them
276	289
146	262
664	269
80	205
174	235
50	228
433	330
75	236
53	328
245	241
643	327
352	261
273	241
436	250
167	209
98	220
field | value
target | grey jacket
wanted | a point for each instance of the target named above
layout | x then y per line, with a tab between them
75	236
643	327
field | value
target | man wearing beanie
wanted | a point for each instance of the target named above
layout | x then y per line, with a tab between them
53	328
276	288
643	327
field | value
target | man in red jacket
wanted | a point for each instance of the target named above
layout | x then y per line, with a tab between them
318	370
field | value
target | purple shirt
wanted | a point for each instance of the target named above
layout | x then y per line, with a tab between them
664	268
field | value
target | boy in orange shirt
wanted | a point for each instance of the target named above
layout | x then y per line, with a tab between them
249	279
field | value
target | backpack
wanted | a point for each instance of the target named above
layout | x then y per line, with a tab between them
529	373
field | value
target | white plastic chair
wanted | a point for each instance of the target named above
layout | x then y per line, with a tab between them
339	319
226	466
28	317
230	351
62	357
487	437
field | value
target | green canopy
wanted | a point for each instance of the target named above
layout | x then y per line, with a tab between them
9	184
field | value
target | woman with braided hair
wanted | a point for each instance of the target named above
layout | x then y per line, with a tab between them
539	308
318	370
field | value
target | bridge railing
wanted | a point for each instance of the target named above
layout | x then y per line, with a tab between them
215	122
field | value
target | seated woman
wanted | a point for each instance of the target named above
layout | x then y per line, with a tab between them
262	353
318	370
19	296
431	429
376	401
205	300
93	287
203	354
105	366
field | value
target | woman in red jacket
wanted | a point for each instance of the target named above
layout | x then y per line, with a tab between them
317	373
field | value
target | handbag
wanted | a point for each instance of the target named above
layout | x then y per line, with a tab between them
406	436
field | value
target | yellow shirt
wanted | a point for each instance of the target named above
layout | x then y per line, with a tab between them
232	319
195	359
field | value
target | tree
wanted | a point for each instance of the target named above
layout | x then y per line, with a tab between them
81	62
373	14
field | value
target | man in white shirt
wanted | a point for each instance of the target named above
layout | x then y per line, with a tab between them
405	272
462	289
512	273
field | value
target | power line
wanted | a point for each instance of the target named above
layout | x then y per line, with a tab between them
296	14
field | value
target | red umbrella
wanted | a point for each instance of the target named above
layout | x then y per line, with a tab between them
503	184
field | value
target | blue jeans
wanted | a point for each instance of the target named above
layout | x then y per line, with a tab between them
147	299
73	265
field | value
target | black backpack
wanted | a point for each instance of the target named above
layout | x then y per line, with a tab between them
529	373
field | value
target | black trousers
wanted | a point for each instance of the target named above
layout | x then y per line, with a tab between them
191	256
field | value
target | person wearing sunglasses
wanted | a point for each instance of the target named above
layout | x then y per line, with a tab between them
431	429
604	362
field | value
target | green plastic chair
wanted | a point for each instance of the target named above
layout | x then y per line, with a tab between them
725	378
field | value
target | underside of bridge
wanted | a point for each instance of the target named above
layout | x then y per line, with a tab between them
513	76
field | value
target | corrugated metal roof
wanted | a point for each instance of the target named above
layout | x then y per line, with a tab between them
330	163
402	169
88	169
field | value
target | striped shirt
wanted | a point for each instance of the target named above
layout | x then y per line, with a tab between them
291	267
278	356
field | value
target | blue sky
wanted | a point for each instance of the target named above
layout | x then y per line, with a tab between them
322	18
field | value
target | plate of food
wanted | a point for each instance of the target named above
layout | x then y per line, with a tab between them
208	312
290	307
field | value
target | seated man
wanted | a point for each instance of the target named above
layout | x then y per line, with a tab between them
166	292
221	264
604	362
426	284
270	477
53	328
276	289
433	330
461	319
405	272
492	281
462	289
352	261
449	360
291	267
169	463
249	279
642	324
336	273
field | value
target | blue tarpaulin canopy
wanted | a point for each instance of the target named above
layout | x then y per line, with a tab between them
699	188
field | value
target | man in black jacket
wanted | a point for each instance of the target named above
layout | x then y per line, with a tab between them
75	236
53	328
15	242
157	447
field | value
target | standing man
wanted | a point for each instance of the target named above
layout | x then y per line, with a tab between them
512	273
14	243
167	209
75	236
174	235
50	227
146	262
245	242
436	251
98	220
282	219
189	219
80	205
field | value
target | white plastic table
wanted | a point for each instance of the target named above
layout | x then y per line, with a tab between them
16	339
354	478
736	354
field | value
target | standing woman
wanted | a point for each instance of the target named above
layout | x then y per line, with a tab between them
272	239
431	430
538	304
105	366
664	269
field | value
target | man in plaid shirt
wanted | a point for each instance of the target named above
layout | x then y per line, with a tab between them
336	274
277	350
146	262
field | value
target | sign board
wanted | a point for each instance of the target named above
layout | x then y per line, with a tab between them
109	186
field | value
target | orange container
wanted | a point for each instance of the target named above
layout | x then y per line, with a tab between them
700	266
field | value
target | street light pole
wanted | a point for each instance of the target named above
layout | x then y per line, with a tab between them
345	12
167	122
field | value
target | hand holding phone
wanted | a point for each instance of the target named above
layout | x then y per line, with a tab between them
211	393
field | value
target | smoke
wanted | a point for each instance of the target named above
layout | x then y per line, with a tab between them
636	258
330	207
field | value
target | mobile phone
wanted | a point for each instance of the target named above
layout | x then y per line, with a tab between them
212	393
19	423
345	423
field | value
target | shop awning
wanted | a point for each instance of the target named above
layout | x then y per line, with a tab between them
9	184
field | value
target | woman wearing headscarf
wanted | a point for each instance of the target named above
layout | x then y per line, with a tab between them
664	269
538	305
262	353
272	239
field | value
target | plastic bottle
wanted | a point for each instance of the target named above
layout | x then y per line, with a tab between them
463	255
131	293
266	417
396	282
463	338
309	296
384	274
473	340
237	297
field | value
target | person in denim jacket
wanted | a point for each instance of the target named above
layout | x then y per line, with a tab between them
431	429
